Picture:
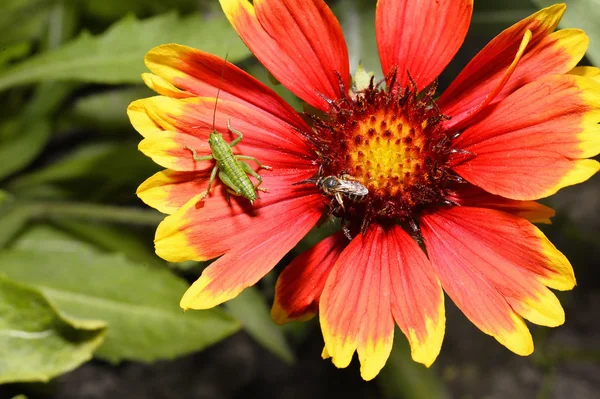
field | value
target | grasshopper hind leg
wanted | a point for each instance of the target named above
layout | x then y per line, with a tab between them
248	169
249	158
230	186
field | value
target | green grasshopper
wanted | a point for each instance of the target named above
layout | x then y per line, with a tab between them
232	169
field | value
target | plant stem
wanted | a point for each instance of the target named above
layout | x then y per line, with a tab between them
108	213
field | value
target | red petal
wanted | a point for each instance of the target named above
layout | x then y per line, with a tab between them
417	297
248	262
205	230
301	283
299	41
202	74
494	265
170	124
355	305
420	37
527	146
458	121
252	238
547	53
469	195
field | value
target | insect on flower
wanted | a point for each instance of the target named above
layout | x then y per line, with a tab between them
339	187
344	186
452	179
232	169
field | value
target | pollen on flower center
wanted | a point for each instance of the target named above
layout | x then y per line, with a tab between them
391	142
386	152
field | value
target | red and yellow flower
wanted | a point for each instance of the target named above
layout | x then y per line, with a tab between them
456	176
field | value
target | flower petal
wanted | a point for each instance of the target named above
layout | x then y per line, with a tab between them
252	239
494	265
547	53
469	195
203	74
420	37
299	41
530	145
355	311
167	191
141	120
417	297
587	71
169	125
170	150
164	87
458	121
205	230
301	283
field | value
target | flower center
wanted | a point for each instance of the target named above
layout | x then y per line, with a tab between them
393	144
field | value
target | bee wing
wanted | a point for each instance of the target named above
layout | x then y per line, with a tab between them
350	187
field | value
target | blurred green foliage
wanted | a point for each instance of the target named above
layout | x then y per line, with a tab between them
77	268
37	342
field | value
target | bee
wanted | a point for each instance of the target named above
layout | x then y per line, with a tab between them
339	187
343	186
232	169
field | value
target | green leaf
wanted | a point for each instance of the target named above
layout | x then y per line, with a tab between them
110	238
13	218
100	165
111	10
13	52
21	145
45	238
104	111
47	99
66	235
117	56
403	378
23	20
251	310
140	304
582	14
37	343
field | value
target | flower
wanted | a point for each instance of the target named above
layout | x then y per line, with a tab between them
456	176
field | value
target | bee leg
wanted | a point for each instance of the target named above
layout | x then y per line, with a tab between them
249	158
346	231
239	137
196	157
348	177
338	197
213	174
364	225
248	169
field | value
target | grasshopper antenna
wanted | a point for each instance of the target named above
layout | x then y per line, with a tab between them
219	92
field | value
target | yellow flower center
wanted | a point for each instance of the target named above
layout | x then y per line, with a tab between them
393	144
386	152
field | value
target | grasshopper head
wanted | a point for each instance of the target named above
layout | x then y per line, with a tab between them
215	137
